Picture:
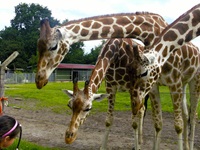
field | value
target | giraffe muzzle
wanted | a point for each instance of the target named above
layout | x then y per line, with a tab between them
70	137
40	82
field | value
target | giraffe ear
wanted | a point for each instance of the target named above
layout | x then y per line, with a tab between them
58	34
69	93
99	97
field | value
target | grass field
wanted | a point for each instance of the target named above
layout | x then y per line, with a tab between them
24	145
52	97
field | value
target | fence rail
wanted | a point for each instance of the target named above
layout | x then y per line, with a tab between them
13	78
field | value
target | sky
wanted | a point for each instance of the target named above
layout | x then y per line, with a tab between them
77	9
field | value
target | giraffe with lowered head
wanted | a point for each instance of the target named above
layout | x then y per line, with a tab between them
54	43
111	64
181	31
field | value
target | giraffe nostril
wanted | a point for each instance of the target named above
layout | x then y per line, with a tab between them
71	135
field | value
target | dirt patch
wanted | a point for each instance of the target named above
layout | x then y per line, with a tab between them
47	128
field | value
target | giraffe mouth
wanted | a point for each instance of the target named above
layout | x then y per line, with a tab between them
70	137
40	83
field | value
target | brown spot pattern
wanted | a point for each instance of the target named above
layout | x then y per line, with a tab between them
86	24
182	28
76	29
84	32
96	25
170	36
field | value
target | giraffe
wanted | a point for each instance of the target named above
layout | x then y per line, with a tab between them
53	43
111	65
181	31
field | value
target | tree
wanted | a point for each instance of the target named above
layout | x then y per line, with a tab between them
23	34
75	54
91	58
28	17
9	43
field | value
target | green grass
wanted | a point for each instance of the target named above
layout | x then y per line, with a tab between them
24	145
52	96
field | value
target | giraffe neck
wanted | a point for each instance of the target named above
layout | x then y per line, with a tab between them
98	74
106	57
143	26
181	31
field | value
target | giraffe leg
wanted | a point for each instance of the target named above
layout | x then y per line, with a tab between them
185	119
135	128
178	118
137	124
140	127
106	134
157	115
108	121
194	87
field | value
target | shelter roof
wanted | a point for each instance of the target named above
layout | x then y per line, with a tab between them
75	66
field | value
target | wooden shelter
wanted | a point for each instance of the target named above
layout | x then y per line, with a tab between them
67	72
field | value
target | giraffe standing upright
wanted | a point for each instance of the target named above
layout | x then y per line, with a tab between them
181	31
111	64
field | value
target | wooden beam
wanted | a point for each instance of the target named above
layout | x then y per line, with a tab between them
2	77
9	59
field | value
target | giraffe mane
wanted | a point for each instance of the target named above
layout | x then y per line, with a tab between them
109	15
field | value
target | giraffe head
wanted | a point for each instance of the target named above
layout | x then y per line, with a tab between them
80	103
141	78
52	49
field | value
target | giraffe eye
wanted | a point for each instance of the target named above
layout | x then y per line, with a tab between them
53	48
87	109
69	106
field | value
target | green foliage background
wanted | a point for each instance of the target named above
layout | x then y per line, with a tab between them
23	34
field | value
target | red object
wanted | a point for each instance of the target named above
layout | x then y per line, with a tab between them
1	106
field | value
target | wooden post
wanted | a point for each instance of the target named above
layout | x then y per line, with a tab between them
2	77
